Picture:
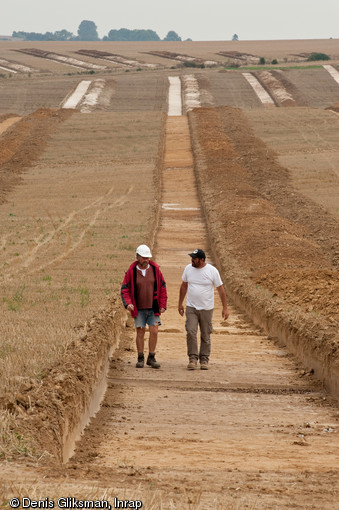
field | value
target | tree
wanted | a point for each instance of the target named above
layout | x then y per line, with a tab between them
63	35
125	34
235	37
87	31
172	36
318	56
146	35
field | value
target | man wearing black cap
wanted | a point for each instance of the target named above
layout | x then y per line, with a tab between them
198	281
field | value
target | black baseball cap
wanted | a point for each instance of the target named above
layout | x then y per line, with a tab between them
198	254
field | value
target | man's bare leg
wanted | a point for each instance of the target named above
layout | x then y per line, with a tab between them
140	342
152	343
140	339
153	339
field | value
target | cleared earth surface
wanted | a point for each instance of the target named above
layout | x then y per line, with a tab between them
258	430
237	434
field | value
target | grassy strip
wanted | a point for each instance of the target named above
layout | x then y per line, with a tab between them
272	67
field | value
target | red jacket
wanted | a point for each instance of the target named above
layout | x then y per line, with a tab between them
128	289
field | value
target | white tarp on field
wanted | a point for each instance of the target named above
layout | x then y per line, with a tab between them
333	72
264	97
174	96
13	67
77	95
8	69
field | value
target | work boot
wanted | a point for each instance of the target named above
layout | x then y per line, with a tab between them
141	361
193	365
152	362
204	365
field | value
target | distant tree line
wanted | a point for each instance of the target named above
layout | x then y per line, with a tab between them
124	34
59	35
87	31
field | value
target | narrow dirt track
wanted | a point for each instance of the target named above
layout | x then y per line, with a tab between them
250	431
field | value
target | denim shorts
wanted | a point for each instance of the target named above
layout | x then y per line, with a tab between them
146	316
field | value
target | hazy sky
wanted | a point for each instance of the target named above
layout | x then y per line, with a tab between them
198	19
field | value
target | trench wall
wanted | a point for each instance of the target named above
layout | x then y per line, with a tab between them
60	408
309	338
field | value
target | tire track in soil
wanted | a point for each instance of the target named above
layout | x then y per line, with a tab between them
45	240
250	429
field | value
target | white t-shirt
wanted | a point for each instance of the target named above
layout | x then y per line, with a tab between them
201	282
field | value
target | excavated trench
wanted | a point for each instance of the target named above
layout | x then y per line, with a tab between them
253	412
255	424
92	407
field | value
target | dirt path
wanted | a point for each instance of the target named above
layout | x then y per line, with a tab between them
253	431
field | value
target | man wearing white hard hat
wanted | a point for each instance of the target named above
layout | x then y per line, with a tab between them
144	295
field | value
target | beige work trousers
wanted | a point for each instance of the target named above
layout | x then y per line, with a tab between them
194	319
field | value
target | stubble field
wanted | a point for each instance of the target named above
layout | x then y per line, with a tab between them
81	190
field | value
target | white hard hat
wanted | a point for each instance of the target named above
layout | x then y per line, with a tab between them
143	251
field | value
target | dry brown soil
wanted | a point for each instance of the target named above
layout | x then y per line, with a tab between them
248	433
24	143
257	430
254	431
265	231
64	241
284	51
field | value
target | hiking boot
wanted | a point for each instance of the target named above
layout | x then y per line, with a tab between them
204	365
140	363
193	365
152	362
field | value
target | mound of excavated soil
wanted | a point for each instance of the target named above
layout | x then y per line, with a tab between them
334	108
276	89
21	144
297	95
281	248
48	413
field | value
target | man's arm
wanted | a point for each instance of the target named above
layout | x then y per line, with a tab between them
222	294
182	294
126	294
162	294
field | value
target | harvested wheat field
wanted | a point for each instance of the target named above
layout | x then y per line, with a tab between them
105	146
